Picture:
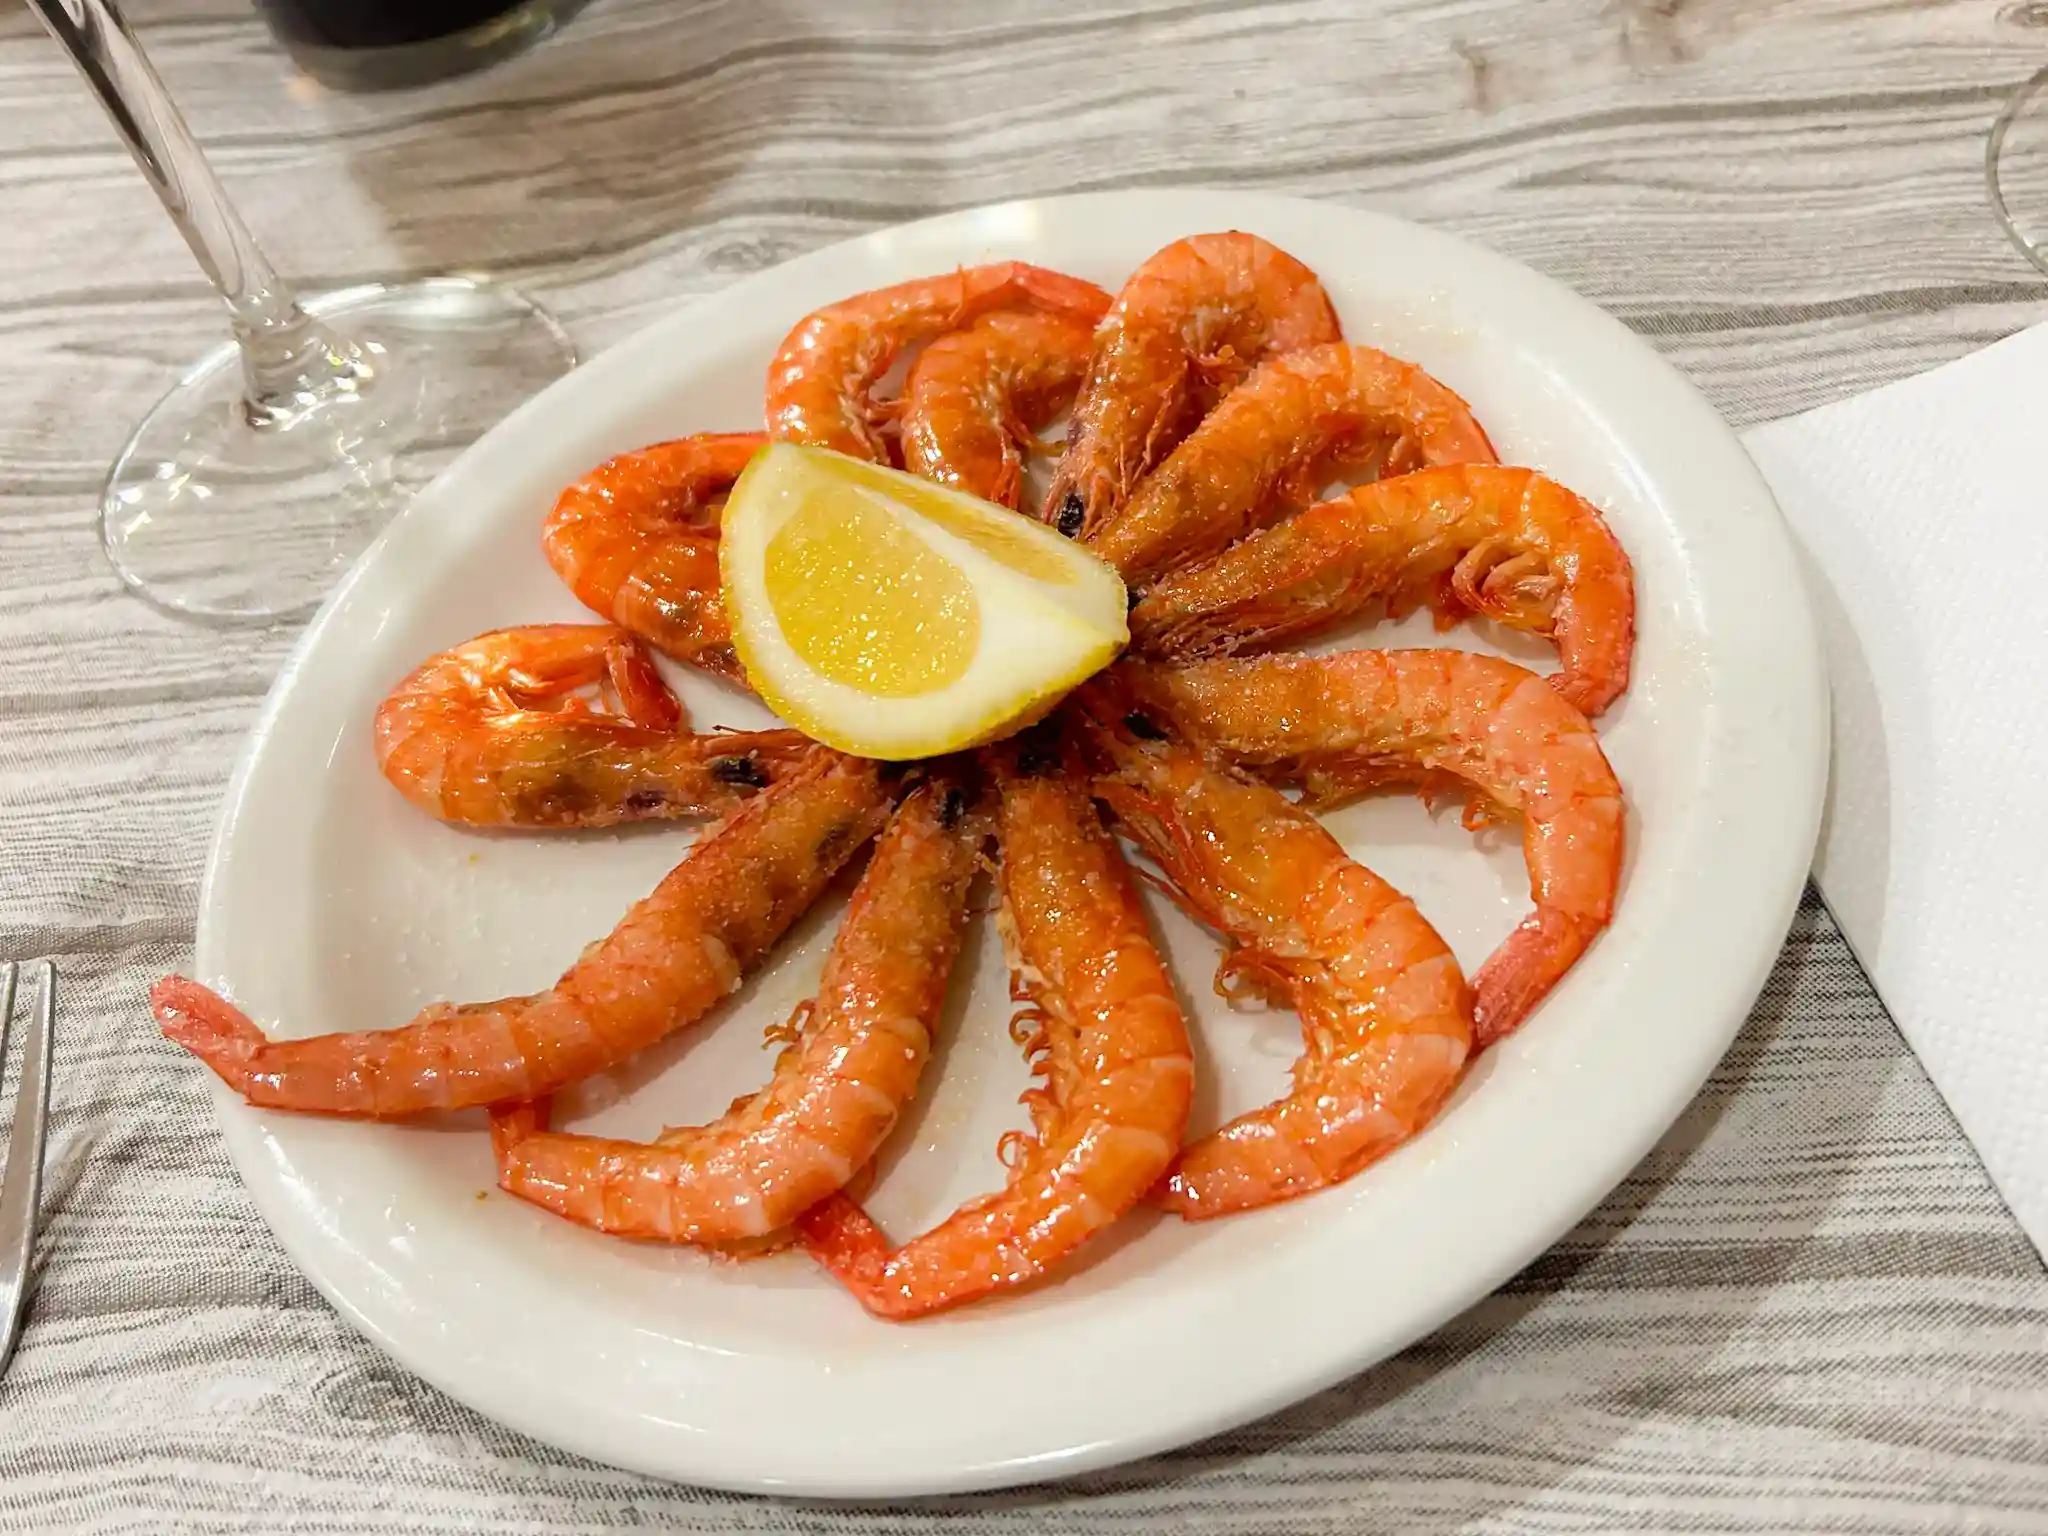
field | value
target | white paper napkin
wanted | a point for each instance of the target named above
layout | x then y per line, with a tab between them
1923	512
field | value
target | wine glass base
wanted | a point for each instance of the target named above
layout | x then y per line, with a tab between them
211	517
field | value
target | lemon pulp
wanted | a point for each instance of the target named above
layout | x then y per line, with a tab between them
868	604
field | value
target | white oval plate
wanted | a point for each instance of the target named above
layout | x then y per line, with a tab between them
331	904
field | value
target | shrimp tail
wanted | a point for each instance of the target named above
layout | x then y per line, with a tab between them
514	1123
1061	293
1244	1165
854	1251
210	1027
1528	963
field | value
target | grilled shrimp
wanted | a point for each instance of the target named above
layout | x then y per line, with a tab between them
1469	538
1346	723
636	540
1271	441
1185	328
836	1089
975	400
1118	1072
495	733
1386	1017
821	383
670	959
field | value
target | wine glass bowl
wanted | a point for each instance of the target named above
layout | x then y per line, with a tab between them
2016	168
274	460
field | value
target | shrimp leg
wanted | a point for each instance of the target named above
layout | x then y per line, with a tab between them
636	540
1386	1017
1341	724
836	1090
1507	544
1269	443
494	733
670	959
1185	329
1118	1071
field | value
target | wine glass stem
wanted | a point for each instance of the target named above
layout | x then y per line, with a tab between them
288	359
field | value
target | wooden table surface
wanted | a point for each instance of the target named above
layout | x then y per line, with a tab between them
1806	1311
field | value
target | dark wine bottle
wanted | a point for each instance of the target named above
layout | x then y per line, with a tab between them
363	45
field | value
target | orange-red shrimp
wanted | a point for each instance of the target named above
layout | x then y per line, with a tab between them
975	400
1118	1071
1271	441
670	959
495	733
1186	327
821	383
1386	1017
636	540
1346	723
1469	538
836	1089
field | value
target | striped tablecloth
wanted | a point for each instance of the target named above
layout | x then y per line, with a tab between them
1806	1311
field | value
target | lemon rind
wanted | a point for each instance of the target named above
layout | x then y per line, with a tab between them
1065	641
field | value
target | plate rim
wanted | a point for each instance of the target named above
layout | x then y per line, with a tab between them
1803	686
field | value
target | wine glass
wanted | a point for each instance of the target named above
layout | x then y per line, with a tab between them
2016	169
273	461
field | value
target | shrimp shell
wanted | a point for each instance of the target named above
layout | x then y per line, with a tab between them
636	540
974	403
1507	544
1386	1017
1345	723
836	1089
670	959
1185	329
821	382
1118	1071
1270	442
494	733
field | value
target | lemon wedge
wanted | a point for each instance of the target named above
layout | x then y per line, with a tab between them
891	617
